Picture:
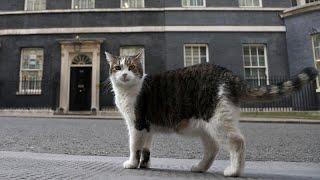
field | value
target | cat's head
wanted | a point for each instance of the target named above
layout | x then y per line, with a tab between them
125	71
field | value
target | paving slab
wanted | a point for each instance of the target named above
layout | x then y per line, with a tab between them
26	165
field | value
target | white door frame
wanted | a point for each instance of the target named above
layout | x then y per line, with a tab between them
67	49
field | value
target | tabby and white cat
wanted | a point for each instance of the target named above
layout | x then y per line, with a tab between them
201	100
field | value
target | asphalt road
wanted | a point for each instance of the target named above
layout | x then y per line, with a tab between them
265	141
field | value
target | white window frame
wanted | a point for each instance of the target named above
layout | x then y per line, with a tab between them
26	2
260	5
137	47
258	66
188	4
314	1
73	5
194	45
315	59
122	5
30	91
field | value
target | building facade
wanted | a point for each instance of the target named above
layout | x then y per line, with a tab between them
52	52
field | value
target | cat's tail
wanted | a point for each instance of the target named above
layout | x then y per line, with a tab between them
270	92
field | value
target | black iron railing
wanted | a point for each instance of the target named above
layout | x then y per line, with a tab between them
45	94
28	94
305	99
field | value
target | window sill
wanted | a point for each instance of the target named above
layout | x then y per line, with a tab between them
250	7
29	93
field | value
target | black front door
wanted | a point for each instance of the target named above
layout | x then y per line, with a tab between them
80	89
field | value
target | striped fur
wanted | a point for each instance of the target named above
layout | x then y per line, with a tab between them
271	92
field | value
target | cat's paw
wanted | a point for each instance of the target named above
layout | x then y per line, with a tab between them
130	164
232	172
198	169
144	165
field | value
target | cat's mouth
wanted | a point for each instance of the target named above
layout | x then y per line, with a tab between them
123	79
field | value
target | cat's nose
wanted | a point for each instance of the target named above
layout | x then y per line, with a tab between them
124	75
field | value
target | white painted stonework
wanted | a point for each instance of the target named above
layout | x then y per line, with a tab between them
67	54
134	29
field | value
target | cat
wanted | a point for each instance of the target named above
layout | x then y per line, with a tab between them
200	100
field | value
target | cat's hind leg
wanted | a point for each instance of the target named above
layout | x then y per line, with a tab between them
228	133
236	145
145	154
211	149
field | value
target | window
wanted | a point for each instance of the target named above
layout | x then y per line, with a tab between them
316	50
250	3
193	3
302	2
83	4
255	64
311	1
35	5
195	54
131	51
294	2
31	70
132	3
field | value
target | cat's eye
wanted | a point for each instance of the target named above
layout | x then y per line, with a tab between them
118	68
131	67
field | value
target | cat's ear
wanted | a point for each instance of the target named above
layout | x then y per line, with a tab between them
139	55
110	58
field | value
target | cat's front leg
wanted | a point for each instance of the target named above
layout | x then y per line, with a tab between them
135	145
145	155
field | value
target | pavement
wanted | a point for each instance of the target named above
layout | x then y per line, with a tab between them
26	165
57	148
265	141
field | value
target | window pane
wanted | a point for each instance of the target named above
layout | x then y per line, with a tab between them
184	2
261	50
254	60
195	51
247	61
188	51
132	3
83	4
247	73
249	3
32	59
35	5
317	53
242	2
261	61
200	3
254	73
256	2
203	51
196	55
188	61
253	51
192	2
246	50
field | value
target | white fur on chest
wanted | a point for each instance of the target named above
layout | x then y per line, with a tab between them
125	99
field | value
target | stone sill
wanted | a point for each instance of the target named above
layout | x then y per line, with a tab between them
144	10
